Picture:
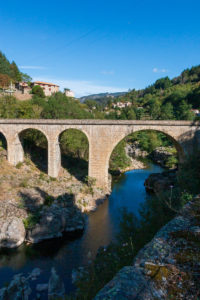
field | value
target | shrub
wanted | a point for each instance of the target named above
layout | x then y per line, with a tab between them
19	165
37	90
171	162
90	181
24	183
31	220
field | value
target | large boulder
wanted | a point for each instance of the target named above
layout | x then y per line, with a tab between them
53	221
12	232
159	182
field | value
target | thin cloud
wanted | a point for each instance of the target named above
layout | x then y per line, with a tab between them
156	70
82	87
105	72
32	67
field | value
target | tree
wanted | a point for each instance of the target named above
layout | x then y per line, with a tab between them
154	109
90	103
4	80
163	83
131	115
26	78
167	112
15	73
183	111
139	113
194	98
4	65
37	90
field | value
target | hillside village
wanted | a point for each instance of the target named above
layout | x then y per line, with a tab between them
176	98
23	90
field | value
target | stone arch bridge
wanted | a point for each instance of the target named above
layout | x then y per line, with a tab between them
103	136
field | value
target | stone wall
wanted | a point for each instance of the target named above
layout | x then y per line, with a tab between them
19	96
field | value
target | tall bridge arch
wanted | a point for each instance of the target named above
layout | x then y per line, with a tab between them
103	136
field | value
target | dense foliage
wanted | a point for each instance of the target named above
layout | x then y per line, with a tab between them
10	71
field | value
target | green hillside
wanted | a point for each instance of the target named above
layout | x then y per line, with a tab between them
165	99
10	72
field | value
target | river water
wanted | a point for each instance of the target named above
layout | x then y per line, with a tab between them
68	253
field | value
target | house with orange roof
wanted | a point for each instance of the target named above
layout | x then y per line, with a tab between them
48	88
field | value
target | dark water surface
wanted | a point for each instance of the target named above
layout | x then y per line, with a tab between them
68	253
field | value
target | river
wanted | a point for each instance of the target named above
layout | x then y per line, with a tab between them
68	253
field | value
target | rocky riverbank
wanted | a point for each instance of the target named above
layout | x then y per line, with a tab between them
159	182
166	157
134	165
35	207
24	287
166	268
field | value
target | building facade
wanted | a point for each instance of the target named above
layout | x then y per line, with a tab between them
68	93
48	88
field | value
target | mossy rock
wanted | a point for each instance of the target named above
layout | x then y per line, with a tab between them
157	272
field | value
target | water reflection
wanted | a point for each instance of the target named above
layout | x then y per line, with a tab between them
68	253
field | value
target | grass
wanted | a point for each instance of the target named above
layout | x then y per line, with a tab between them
31	220
24	183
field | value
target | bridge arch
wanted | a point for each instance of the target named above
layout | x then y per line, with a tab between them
3	141
175	142
74	150
34	142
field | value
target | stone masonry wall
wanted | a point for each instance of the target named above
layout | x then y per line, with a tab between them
103	136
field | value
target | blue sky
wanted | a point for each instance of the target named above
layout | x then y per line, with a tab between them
95	46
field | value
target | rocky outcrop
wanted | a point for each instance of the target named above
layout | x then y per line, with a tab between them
134	150
166	268
161	155
37	207
12	232
88	199
159	182
53	222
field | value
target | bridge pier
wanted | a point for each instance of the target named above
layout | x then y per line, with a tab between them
15	151
54	158
98	169
99	153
